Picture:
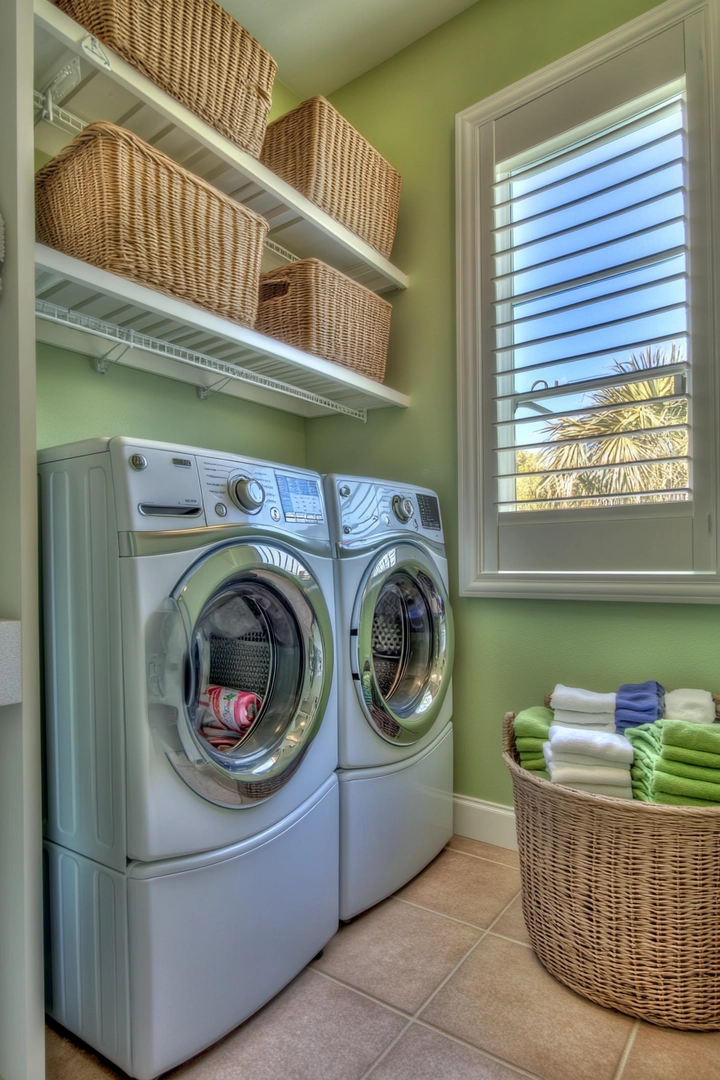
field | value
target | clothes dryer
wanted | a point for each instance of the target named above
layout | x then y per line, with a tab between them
192	807
395	656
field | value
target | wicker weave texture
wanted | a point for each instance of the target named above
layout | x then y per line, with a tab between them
621	898
316	150
316	308
196	52
113	201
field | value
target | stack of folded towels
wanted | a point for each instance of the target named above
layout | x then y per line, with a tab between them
677	760
591	760
532	728
638	703
646	741
583	708
687	772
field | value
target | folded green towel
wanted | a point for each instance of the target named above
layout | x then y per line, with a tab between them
640	795
704	737
533	723
648	736
691	772
681	800
529	745
691	757
533	761
664	783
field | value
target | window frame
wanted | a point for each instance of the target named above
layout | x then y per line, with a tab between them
474	149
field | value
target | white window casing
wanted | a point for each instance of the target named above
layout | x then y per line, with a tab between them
587	289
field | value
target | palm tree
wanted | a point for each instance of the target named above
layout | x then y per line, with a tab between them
603	443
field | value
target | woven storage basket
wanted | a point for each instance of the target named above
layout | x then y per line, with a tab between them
114	201
195	52
621	898
316	308
316	150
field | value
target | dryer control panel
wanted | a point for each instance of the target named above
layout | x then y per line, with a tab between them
362	511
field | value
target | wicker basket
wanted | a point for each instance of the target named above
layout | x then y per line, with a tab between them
621	898
316	308
113	201
194	51
316	150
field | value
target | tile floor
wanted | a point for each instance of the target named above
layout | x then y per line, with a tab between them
436	983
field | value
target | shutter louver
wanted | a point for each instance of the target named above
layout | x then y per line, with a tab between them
591	362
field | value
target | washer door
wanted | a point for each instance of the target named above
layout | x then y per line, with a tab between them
258	669
402	643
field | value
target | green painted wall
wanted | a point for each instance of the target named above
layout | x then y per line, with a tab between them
74	402
509	653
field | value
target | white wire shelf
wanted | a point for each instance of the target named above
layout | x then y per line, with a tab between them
114	320
111	89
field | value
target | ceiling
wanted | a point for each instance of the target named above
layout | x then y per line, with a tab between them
320	45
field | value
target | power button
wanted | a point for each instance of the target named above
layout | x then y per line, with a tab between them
138	461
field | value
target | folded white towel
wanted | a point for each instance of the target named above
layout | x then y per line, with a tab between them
578	759
697	706
584	719
610	790
577	700
601	744
609	728
587	760
579	774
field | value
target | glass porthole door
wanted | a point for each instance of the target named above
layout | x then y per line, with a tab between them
257	671
403	644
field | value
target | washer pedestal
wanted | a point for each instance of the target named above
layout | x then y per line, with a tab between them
393	822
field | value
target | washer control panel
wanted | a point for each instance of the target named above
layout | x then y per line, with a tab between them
161	488
363	511
251	491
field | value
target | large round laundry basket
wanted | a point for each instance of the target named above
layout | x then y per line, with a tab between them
621	898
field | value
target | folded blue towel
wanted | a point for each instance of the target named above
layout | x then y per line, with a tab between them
638	703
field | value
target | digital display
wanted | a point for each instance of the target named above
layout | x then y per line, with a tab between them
300	498
429	511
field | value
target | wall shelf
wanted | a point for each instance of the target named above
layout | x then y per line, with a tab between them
114	320
111	89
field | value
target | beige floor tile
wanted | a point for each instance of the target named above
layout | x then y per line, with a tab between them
502	1000
397	953
465	888
426	1055
314	1030
512	924
65	1059
484	851
665	1054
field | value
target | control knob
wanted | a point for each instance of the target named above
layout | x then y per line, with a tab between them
402	509
247	493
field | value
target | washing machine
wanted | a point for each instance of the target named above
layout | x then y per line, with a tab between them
191	827
395	657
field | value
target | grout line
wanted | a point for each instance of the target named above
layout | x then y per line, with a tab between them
478	1049
363	993
442	915
525	944
386	1051
482	858
464	958
626	1052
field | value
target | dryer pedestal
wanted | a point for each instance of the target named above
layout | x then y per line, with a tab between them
393	821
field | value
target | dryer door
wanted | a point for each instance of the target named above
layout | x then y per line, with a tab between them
258	669
402	643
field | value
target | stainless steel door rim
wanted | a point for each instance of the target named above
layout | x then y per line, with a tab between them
402	643
281	594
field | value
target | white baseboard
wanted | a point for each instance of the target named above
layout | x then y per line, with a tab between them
490	822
